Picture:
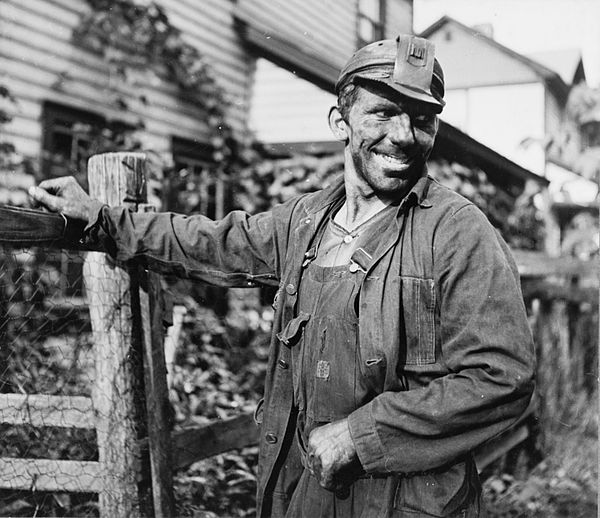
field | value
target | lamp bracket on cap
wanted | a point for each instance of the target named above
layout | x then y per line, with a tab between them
414	62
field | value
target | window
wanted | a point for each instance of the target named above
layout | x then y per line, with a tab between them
197	186
68	135
67	143
371	21
591	134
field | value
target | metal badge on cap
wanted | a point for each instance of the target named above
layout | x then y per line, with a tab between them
414	63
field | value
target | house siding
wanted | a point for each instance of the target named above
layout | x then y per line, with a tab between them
398	18
507	118
470	63
39	62
326	28
287	108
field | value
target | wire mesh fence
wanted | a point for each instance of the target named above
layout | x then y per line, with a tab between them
52	391
48	446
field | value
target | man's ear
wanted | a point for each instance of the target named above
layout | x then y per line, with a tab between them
337	124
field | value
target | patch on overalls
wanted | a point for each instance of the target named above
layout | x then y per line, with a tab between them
323	369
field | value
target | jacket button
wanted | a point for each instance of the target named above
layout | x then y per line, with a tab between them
282	364
290	289
271	438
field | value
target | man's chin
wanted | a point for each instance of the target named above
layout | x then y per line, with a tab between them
401	182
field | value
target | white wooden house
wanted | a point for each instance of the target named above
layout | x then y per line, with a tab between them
504	99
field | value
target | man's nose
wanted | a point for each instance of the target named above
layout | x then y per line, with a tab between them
401	130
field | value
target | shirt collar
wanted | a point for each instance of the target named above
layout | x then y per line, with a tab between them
418	193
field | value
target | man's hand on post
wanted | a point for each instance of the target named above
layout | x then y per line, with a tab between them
330	449
63	195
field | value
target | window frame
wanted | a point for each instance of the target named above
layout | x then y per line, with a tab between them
58	120
198	156
54	115
377	26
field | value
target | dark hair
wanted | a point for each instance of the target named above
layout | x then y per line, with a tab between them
346	98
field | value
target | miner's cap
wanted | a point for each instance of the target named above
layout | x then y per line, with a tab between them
406	64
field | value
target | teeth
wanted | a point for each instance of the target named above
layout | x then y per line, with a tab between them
392	160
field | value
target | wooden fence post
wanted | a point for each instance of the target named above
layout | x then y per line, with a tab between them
126	343
157	395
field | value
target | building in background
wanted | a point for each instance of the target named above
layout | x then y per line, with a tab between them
513	103
500	97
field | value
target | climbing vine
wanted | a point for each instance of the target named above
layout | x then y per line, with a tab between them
139	43
6	148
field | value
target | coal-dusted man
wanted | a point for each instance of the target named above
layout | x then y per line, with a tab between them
400	340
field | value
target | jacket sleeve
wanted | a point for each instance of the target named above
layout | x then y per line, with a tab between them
238	250
482	379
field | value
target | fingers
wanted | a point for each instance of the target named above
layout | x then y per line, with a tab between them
56	185
323	475
54	203
63	195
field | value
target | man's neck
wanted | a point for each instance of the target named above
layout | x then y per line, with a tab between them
358	208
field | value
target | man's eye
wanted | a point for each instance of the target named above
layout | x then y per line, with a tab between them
421	119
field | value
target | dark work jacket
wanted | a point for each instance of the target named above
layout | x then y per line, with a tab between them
440	306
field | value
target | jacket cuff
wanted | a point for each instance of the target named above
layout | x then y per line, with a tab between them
366	440
96	207
93	232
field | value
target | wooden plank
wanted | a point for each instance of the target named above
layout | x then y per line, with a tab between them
46	410
22	15
497	447
50	475
172	341
157	398
194	444
25	42
116	179
297	24
547	290
538	264
49	9
158	125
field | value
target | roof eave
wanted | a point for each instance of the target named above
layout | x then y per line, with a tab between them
551	77
492	162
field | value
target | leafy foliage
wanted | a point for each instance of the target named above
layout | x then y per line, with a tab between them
15	170
582	123
265	183
219	372
140	41
564	484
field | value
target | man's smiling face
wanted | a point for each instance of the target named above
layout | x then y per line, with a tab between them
389	139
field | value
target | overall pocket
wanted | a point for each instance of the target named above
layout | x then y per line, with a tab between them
418	308
333	370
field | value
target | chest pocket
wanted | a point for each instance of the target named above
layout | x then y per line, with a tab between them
418	301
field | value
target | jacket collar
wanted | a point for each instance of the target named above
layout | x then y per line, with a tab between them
334	192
